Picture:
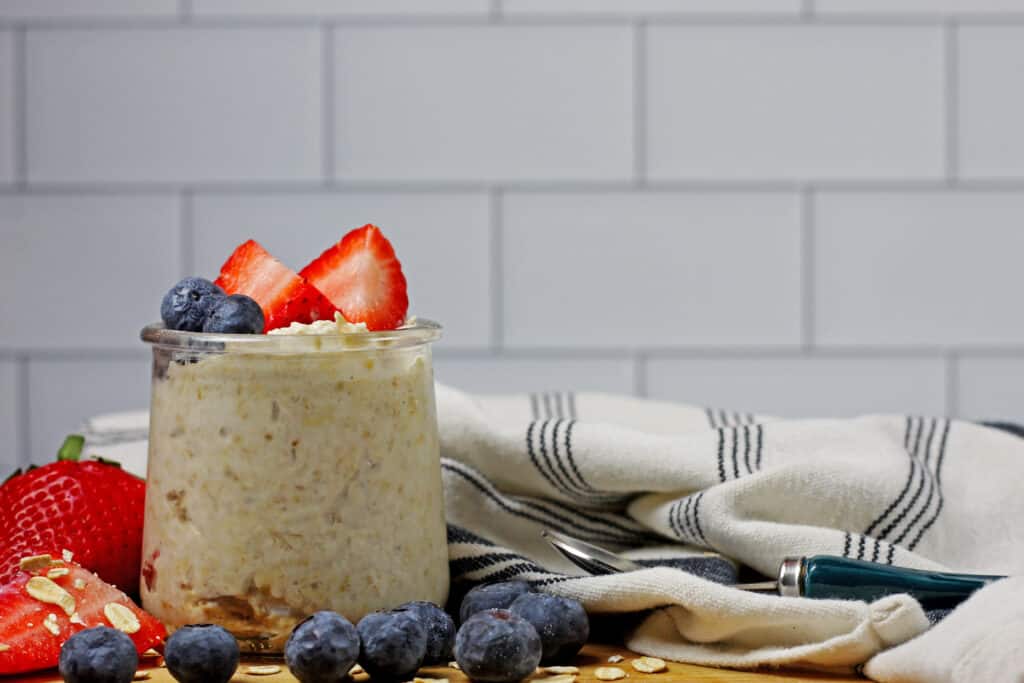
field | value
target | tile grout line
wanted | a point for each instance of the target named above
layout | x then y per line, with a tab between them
496	226
807	268
807	11
640	374
981	185
952	384
186	219
952	101
711	185
20	108
327	103
23	411
640	103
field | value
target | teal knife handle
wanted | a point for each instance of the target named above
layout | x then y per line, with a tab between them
841	578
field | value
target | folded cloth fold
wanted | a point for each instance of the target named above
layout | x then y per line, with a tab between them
982	640
663	480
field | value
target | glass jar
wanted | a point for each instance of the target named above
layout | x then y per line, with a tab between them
289	474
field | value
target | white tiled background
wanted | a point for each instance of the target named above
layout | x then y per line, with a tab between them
790	206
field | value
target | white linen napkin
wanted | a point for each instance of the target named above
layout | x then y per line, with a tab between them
638	475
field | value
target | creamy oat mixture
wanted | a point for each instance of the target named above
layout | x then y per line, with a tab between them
284	484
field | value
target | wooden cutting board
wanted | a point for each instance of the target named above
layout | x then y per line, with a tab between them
592	657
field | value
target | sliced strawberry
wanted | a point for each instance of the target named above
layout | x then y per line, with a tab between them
33	638
284	296
362	276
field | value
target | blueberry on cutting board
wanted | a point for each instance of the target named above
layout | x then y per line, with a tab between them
440	630
322	648
492	596
98	655
561	623
201	653
393	644
496	646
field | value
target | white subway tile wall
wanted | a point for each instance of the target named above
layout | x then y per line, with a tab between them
173	105
339	8
87	9
483	103
650	7
8	134
63	393
804	387
651	270
796	207
990	114
10	430
927	7
990	388
794	102
919	269
83	271
509	375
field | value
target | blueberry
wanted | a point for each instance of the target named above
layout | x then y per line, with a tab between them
440	630
188	303
492	596
393	644
98	655
236	314
562	624
322	648
497	646
201	653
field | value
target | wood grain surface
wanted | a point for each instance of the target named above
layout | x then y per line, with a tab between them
592	657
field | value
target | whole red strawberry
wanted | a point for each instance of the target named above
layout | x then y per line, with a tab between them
92	508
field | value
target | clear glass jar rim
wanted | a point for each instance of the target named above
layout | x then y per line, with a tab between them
420	332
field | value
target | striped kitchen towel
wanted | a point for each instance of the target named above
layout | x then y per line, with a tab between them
665	483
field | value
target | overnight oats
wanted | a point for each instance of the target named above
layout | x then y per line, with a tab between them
290	472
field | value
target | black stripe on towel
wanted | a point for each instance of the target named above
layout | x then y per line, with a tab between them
746	450
760	447
533	456
571	459
696	519
721	454
938	484
550	460
576	487
931	487
735	453
458	534
518	570
559	521
673	510
688	519
903	493
465	565
926	477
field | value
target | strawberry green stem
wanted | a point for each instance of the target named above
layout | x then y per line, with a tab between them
71	449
